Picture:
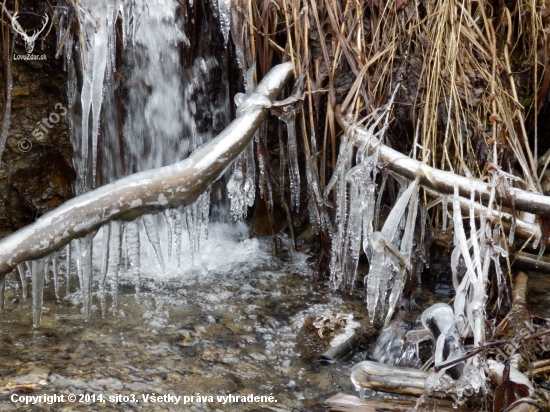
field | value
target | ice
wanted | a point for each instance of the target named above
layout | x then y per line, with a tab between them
193	229
133	247
204	207
151	224
169	231
112	14
439	319
55	272
265	182
115	256
124	11
392	347
376	280
105	246
178	229
379	197
282	164
406	252
240	189
444	212
23	277
224	14
68	269
96	27
293	169
85	259
397	213
37	275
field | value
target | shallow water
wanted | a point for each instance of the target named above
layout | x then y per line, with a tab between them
226	332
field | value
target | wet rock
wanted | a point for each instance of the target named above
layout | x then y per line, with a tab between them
41	187
187	338
106	384
263	223
63	382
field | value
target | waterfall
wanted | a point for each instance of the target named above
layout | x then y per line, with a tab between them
142	94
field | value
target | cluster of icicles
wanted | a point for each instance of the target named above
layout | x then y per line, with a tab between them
120	246
120	254
396	251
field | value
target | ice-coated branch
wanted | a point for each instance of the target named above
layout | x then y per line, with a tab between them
157	189
443	181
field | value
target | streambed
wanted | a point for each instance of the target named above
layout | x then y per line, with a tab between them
219	330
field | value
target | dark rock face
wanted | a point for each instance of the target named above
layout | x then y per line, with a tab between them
40	187
36	172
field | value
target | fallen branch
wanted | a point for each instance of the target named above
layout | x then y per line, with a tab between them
387	378
348	403
141	193
443	181
523	230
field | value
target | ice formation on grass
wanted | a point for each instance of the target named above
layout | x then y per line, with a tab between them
389	250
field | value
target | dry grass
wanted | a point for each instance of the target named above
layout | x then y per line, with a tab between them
474	75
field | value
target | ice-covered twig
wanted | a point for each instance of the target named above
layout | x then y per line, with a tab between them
135	195
442	181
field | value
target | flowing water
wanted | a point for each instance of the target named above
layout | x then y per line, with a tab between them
151	307
230	325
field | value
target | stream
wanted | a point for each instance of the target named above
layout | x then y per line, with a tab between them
228	325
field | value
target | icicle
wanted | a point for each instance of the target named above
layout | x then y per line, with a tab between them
376	280
338	241
105	250
79	261
205	209
368	217
398	212
178	229
132	242
406	251
151	229
314	197
37	275
104	265
444	212
68	272
264	181
282	165
92	88
294	171
112	14
541	251
126	13
192	232
354	227
85	258
224	11
240	189
23	277
115	254
47	259
55	271
169	230
379	198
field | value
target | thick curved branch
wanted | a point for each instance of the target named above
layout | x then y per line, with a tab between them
135	195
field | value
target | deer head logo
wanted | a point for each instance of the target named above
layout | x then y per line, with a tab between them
29	40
